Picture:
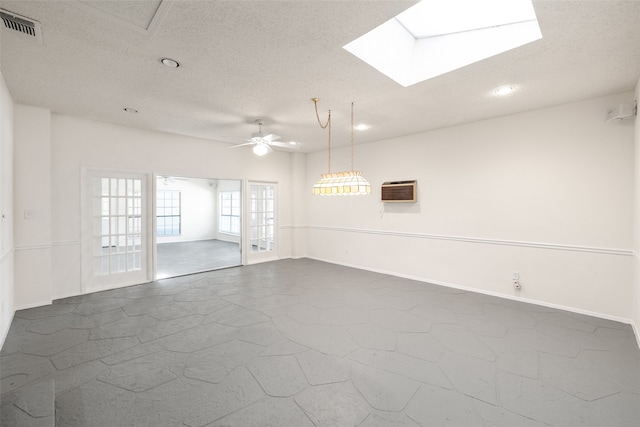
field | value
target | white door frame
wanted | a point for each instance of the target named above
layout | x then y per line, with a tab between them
249	256
91	216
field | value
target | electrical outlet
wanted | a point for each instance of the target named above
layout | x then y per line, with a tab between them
515	277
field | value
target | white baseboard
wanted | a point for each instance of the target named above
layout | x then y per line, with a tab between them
34	304
66	295
5	333
262	261
491	293
636	332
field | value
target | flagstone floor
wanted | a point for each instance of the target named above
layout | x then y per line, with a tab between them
306	343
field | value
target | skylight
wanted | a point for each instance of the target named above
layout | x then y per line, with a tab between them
434	37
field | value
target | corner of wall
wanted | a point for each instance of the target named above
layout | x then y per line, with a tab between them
299	192
7	308
636	225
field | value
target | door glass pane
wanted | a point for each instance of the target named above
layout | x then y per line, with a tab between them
262	218
118	224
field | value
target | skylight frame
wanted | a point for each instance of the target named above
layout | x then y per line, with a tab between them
397	52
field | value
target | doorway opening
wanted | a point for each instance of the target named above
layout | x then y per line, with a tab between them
198	225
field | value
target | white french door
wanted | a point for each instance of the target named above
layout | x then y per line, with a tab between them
262	224
115	230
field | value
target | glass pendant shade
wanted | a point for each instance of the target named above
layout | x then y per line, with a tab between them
349	183
342	184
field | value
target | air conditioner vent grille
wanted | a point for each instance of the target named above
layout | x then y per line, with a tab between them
398	191
20	24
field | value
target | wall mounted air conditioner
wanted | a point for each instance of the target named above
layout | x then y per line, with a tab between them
399	191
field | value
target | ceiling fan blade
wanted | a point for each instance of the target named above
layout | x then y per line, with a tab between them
286	145
241	145
271	137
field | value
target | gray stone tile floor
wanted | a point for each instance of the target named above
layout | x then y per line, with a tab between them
306	343
180	258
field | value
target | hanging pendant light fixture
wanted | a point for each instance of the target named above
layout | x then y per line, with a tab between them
347	183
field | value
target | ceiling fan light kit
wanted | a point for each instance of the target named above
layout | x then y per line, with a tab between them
262	144
260	149
347	183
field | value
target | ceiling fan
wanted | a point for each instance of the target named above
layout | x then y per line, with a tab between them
167	179
263	143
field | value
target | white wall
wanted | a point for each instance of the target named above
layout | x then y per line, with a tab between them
32	206
636	216
198	208
6	211
547	193
299	194
200	199
77	142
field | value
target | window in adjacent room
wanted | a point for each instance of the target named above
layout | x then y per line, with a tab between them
168	213
229	221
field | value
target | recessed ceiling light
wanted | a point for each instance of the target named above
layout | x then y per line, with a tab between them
361	126
504	90
293	143
171	63
130	110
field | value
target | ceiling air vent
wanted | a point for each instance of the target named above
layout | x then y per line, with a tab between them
20	24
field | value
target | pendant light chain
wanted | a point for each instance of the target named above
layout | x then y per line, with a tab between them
325	126
339	183
352	136
329	142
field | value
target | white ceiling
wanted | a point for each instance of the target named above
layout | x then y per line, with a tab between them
244	60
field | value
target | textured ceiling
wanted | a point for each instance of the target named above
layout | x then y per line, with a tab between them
244	60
